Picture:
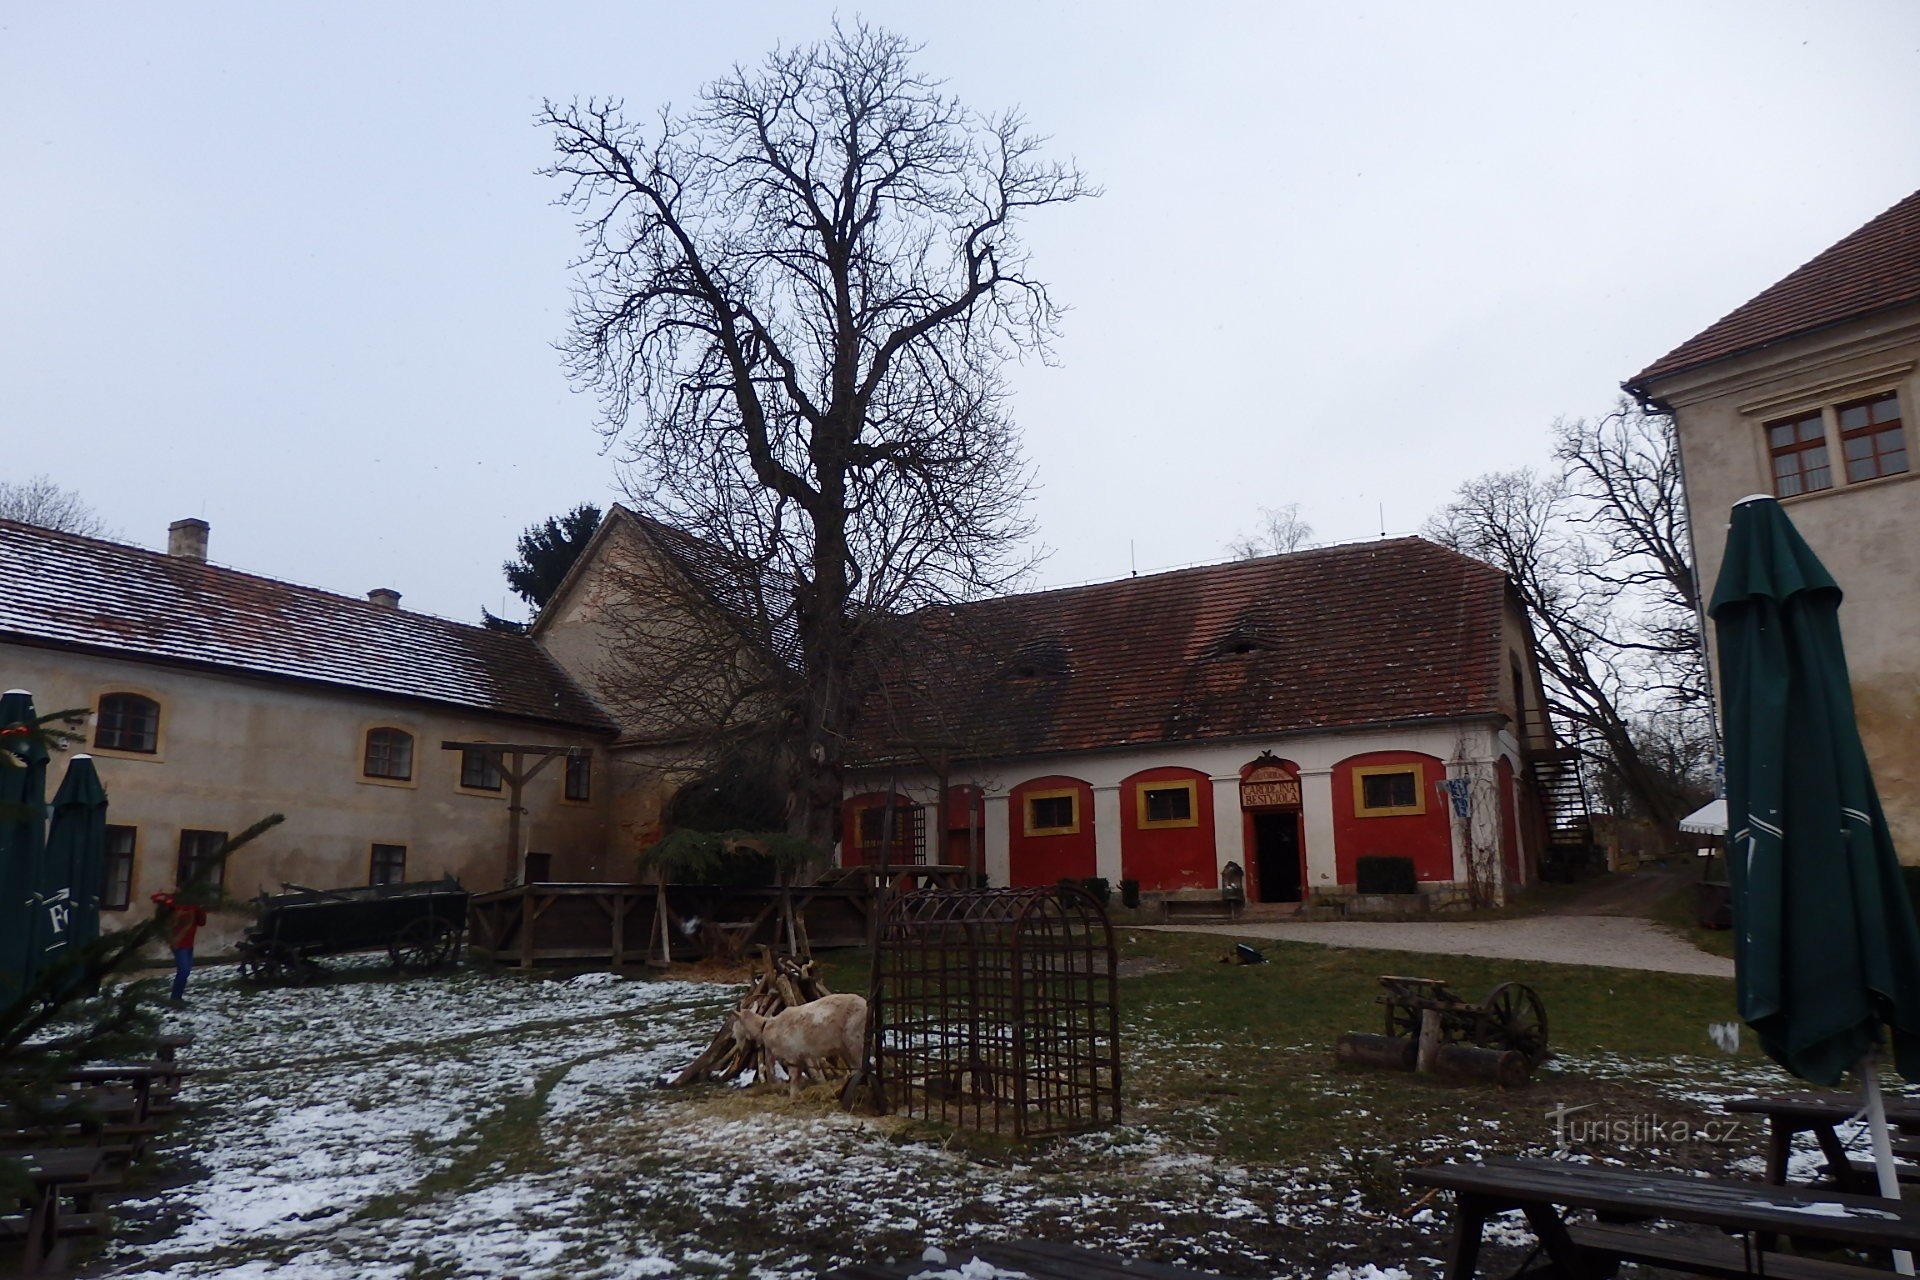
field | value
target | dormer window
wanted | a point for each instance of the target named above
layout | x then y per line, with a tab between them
1244	637
1043	658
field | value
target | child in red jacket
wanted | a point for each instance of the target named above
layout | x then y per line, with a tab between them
182	922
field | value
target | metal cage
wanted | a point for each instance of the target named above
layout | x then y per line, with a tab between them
999	1010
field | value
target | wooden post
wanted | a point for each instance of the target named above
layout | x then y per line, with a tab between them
1429	1041
527	918
514	863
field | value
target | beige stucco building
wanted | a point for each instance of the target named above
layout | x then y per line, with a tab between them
219	697
1804	392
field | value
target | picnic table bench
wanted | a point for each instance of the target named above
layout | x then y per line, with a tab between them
1822	1114
1041	1259
1544	1190
52	1174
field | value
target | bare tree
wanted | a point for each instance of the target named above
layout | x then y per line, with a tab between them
40	501
1282	529
1599	555
794	303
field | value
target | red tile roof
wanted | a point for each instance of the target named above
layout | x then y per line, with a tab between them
1875	268
65	591
1395	630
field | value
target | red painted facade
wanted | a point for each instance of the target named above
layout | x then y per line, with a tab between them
1256	891
851	852
1425	837
1168	858
1044	859
1509	821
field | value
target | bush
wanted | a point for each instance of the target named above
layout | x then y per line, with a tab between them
1130	893
1385	875
1098	888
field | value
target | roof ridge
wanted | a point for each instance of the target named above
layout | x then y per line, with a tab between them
1211	566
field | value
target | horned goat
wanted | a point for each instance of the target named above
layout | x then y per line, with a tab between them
803	1037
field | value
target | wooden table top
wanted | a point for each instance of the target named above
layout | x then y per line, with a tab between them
55	1165
1904	1112
1868	1221
1041	1259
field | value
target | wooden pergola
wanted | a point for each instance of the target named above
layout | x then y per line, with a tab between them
510	758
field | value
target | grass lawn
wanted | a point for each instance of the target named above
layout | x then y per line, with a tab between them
504	1124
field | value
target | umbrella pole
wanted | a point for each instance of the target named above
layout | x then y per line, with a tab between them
1882	1145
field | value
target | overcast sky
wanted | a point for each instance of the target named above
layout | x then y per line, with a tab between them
289	267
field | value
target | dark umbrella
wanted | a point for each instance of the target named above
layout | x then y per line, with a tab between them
23	835
76	862
1826	950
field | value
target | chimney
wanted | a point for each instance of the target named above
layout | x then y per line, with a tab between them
187	539
385	597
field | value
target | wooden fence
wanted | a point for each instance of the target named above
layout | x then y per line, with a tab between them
619	924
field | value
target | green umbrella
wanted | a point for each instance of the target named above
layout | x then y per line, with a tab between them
23	836
1826	952
69	917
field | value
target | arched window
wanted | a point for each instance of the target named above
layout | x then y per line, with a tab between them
389	754
127	722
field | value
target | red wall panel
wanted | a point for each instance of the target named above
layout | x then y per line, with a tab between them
1168	858
1045	859
1425	837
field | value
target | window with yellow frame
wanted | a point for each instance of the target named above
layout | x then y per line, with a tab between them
1051	813
1389	790
1158	805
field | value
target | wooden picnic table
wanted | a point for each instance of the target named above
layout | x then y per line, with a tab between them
1544	1190
50	1172
1822	1114
1040	1259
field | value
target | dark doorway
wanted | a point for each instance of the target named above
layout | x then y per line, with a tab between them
1276	849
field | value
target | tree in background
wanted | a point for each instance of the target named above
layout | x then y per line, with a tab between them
794	303
546	551
1599	553
40	501
1282	529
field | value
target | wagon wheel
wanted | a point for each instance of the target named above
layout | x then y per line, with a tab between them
423	945
260	966
1516	1018
304	971
1402	1020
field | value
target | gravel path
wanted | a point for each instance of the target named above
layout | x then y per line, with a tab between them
1614	942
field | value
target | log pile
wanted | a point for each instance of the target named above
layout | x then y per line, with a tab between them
779	983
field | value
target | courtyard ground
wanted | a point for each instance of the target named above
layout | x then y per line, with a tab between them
511	1125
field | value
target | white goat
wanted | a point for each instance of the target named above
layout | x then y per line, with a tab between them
804	1036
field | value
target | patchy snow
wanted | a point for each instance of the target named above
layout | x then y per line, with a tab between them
489	1126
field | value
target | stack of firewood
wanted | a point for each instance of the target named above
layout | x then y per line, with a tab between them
779	983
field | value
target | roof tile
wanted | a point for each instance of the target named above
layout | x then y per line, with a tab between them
1876	267
66	590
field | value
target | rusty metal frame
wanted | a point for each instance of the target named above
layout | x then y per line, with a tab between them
998	1010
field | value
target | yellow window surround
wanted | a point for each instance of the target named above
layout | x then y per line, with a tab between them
1189	785
1027	826
1363	772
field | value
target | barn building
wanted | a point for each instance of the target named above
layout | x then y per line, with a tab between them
1286	716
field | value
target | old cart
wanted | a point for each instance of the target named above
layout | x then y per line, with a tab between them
420	927
1511	1017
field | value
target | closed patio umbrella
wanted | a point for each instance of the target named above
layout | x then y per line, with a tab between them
75	863
23	831
1826	951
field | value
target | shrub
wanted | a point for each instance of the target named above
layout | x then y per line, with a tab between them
1385	875
1097	886
1130	893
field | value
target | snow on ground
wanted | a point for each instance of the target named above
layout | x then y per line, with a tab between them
513	1125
